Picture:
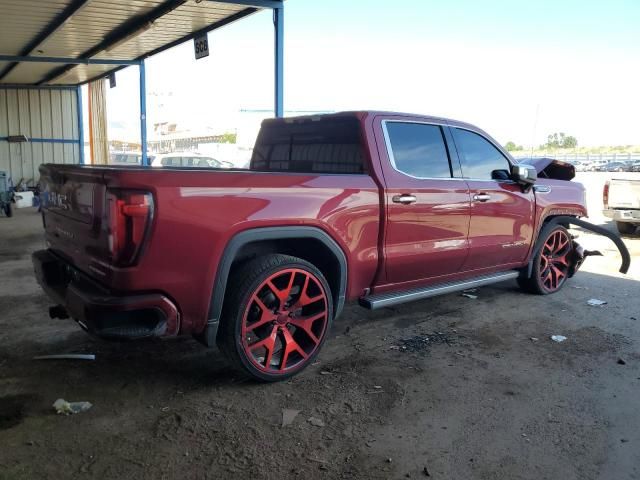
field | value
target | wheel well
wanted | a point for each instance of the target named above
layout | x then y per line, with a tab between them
310	249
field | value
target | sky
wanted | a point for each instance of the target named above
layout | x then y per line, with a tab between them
518	69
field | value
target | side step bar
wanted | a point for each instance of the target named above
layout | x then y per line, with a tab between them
376	301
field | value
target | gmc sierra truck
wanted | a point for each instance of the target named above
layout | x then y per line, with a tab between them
379	208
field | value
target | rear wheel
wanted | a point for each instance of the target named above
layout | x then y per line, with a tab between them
551	262
625	228
276	316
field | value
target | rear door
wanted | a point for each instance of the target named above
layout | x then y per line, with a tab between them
502	215
427	203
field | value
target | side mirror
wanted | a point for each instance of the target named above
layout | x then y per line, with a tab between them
525	175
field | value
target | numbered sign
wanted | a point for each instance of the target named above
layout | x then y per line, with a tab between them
201	46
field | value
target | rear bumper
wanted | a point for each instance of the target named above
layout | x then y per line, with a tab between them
99	310
632	216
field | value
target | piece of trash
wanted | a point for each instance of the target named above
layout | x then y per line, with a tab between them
594	302
377	387
534	339
66	356
389	460
425	471
470	290
468	295
326	372
316	422
578	287
63	407
621	361
558	338
288	416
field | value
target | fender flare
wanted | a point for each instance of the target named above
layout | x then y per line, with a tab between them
564	219
239	240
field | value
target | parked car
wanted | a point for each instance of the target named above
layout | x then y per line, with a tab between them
189	159
128	158
379	208
616	167
635	166
621	199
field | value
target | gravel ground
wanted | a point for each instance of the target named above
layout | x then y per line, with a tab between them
449	388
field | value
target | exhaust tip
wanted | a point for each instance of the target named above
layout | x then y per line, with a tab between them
58	311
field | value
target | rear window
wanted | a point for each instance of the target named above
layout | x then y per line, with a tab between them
324	146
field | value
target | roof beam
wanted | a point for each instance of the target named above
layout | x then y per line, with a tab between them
254	3
127	29
69	61
49	30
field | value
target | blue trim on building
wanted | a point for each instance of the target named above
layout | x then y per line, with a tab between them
143	114
278	23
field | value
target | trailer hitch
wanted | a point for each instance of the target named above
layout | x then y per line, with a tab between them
579	252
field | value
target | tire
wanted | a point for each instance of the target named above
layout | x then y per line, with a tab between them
550	272
8	210
625	228
276	317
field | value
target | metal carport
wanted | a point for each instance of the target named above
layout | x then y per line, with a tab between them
59	45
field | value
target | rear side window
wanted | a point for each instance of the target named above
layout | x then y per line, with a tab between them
329	145
481	160
418	149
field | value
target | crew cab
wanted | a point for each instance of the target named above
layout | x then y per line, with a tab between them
379	208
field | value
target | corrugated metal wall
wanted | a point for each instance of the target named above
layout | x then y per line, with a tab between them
49	119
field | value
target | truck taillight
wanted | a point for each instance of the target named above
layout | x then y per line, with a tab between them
129	217
605	195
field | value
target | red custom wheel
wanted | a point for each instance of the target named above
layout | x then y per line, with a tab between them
553	266
551	262
279	316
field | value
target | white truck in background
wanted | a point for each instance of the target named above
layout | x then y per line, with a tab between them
621	198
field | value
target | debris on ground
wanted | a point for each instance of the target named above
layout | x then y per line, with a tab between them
66	356
326	372
621	361
469	295
594	302
534	339
420	343
288	416
63	407
558	338
425	471
578	287
316	422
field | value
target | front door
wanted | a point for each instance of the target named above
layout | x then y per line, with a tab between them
502	215
427	206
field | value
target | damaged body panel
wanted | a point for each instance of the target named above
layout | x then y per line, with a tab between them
551	168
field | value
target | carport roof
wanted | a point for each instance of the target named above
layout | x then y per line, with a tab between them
91	31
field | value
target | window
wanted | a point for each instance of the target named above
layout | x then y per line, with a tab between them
171	162
328	145
480	158
418	149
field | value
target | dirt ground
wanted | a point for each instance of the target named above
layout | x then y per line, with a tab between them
447	388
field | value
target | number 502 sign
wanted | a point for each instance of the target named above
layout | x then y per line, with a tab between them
201	46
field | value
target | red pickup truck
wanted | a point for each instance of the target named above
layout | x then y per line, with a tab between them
382	208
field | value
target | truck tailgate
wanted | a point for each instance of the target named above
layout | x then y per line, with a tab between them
624	194
72	208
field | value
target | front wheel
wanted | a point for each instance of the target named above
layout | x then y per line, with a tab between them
551	262
8	210
276	316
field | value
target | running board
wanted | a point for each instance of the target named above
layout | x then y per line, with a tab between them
374	302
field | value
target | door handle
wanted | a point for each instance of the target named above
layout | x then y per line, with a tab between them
481	197
404	199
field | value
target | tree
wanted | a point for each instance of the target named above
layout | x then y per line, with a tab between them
512	147
560	140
